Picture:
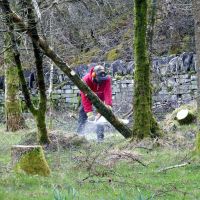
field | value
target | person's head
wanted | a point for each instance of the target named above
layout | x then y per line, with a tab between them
99	74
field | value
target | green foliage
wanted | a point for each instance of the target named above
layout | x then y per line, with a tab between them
71	194
143	197
58	195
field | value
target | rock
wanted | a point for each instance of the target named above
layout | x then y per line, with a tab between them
174	65
188	62
130	67
118	67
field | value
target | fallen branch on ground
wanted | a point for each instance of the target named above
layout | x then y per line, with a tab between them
172	167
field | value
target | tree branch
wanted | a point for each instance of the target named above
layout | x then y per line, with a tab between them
172	167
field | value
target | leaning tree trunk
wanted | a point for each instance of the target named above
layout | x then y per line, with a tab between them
14	119
103	110
142	88
196	11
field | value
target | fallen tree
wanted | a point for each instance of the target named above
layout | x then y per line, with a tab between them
103	110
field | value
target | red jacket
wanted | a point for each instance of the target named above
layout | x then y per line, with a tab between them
102	90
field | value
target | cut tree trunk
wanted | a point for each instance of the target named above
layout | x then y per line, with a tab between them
185	117
29	159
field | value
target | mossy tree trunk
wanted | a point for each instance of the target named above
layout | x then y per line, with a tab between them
14	118
144	122
38	113
152	11
196	11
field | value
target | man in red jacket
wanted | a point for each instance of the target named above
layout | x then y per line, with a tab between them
100	83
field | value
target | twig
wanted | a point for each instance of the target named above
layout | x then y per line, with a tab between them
172	167
124	155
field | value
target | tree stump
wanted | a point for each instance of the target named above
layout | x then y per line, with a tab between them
184	116
29	159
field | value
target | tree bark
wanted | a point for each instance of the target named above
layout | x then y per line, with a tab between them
41	111
152	11
144	122
103	110
14	118
196	11
39	114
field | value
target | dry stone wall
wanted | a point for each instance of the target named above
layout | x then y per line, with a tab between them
174	83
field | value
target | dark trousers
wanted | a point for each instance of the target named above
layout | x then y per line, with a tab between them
82	121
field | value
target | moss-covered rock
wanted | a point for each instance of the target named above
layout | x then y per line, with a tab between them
30	159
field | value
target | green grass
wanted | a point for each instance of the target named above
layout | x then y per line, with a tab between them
71	177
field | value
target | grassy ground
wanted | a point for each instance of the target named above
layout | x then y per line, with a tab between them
115	169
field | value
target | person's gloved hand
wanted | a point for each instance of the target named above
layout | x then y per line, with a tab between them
90	116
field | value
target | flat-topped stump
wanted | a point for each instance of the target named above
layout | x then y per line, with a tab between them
30	159
184	116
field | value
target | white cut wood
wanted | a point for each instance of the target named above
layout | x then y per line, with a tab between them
182	114
172	167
